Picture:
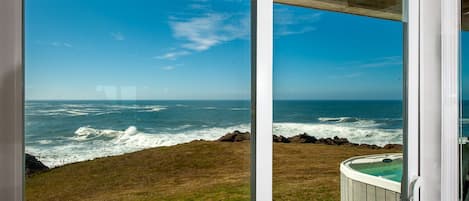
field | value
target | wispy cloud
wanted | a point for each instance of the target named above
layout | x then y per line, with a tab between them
283	31
61	44
201	28
379	62
211	29
349	75
287	22
382	62
172	55
198	6
168	68
117	36
55	44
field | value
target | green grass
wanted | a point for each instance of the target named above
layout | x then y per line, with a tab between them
196	171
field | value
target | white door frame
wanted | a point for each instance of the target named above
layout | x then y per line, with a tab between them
450	65
261	99
411	96
430	93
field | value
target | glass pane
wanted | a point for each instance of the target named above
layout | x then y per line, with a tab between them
337	95
137	100
464	122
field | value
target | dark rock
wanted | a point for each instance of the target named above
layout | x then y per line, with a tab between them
340	141
334	141
280	138
235	136
328	141
393	146
352	144
32	165
370	146
303	138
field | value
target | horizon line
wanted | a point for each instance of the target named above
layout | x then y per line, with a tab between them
211	100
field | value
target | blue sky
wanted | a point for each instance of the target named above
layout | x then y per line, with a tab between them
200	49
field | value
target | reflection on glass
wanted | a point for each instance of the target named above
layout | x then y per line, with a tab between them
465	15
385	9
464	131
337	95
137	100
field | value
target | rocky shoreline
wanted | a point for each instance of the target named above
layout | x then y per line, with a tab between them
238	136
33	165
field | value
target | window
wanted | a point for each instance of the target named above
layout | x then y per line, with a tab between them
338	90
137	100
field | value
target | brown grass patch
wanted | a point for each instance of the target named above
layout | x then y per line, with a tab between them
196	171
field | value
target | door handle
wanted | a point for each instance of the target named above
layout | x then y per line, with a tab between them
415	185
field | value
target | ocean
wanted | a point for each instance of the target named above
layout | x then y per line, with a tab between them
62	132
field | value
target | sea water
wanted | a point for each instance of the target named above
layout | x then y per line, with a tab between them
62	132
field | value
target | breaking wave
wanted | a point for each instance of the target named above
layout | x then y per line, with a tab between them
338	119
89	143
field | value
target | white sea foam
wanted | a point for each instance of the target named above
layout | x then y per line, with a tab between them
465	121
155	108
363	132
86	145
76	113
209	108
338	119
89	143
87	133
44	141
185	126
239	109
79	110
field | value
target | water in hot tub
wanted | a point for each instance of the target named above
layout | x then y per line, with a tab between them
390	170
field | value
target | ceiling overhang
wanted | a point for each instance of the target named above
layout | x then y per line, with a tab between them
383	9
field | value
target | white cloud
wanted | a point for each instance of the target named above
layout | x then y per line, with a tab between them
203	32
198	6
203	29
289	23
67	45
168	68
55	44
382	62
284	31
172	55
349	75
117	36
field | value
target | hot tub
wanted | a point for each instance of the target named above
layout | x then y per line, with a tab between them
371	177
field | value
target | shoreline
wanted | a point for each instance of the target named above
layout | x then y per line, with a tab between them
34	165
199	170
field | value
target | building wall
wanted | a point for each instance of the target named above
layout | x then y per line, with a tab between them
11	102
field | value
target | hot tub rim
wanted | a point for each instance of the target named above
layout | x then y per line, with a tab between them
350	173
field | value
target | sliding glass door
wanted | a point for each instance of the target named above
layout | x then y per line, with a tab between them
338	102
151	100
